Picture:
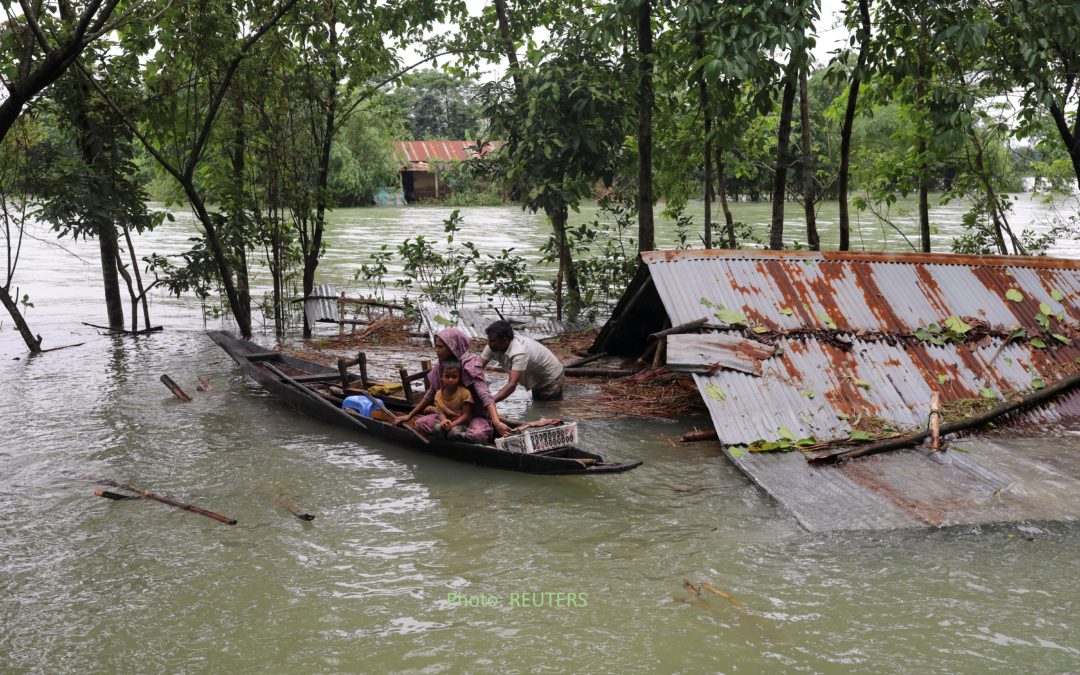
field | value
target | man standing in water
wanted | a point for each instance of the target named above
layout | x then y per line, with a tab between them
528	362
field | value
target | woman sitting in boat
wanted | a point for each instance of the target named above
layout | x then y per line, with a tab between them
451	344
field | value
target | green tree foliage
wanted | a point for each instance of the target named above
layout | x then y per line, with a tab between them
362	158
19	170
1035	47
566	133
437	106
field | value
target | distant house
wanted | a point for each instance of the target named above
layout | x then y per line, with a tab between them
420	160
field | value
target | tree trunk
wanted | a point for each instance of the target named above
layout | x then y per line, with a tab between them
646	230
1071	137
807	164
238	213
923	148
566	262
32	342
704	99
138	277
110	259
849	123
240	304
507	38
776	231
131	295
924	205
311	256
729	221
89	143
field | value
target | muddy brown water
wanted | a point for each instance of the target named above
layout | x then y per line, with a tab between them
420	564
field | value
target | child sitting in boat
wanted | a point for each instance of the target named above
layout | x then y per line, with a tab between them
453	405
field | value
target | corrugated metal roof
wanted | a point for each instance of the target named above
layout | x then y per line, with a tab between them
869	301
474	322
416	154
842	325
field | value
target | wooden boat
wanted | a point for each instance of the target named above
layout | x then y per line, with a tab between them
305	386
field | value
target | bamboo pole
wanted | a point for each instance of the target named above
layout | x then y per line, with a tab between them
972	422
587	359
935	422
688	327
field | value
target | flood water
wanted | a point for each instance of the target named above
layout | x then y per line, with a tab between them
419	564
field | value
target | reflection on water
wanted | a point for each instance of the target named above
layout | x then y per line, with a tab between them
89	584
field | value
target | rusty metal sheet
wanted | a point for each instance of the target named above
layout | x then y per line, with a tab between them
816	387
419	153
980	480
473	322
701	353
846	353
819	390
863	292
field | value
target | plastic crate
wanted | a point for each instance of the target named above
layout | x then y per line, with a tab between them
539	439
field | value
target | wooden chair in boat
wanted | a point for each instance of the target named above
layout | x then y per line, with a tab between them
407	380
343	366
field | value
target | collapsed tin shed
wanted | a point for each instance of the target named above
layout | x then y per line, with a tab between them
799	345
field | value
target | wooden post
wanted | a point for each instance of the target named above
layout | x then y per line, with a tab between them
935	422
343	371
406	387
175	389
661	350
425	366
361	360
341	315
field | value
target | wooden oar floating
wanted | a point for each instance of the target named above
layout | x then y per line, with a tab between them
157	498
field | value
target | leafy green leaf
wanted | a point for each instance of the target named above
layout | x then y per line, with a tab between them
1057	295
786	434
736	452
808	394
827	320
957	325
942	378
1045	309
1037	343
1061	338
786	311
731	317
804	442
769	446
1043	321
1038	383
761	329
714	391
861	383
923	334
987	392
1014	295
860	435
